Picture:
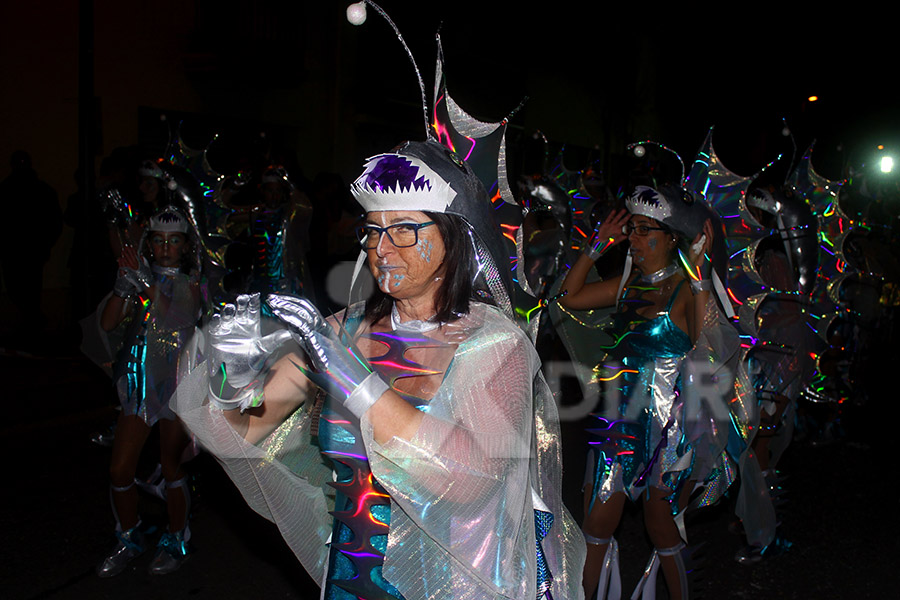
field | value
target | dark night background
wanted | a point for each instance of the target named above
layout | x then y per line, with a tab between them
81	79
84	78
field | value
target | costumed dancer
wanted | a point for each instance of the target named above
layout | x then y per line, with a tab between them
127	217
781	361
126	212
644	445
268	253
438	425
159	300
160	184
855	286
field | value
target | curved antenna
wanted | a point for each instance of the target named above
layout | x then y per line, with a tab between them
409	53
634	145
786	131
545	161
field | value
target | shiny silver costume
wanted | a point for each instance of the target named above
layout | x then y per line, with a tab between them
463	491
147	365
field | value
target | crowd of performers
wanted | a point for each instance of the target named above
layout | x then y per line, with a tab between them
702	313
408	446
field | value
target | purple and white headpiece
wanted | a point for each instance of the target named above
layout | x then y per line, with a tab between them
650	203
169	220
428	177
676	207
396	182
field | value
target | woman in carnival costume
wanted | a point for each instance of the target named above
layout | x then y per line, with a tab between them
643	446
160	299
781	362
438	427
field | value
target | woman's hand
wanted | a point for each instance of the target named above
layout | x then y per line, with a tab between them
576	292
237	353
700	247
700	263
340	369
607	234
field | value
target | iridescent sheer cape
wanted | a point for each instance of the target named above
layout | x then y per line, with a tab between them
462	490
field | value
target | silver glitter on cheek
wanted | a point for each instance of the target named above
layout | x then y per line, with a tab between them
652	244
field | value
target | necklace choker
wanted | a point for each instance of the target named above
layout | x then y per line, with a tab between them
411	326
168	271
658	276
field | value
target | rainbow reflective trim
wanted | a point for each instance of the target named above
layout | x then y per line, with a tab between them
362	506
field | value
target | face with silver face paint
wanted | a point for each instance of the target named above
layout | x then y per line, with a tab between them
406	273
654	250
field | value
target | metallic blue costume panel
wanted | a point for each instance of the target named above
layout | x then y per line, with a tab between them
643	443
362	513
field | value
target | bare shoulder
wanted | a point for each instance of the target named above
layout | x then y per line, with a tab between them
683	306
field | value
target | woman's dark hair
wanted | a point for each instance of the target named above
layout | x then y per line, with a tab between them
679	239
457	270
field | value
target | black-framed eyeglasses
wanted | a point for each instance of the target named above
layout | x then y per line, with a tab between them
402	235
640	230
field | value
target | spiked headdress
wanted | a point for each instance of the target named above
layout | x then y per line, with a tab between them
169	220
430	176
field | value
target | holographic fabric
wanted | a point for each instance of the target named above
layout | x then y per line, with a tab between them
362	513
147	364
277	238
782	359
644	444
462	520
543	521
780	363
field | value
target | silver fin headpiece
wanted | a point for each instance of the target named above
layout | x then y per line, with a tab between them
429	176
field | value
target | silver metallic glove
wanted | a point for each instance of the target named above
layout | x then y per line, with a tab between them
237	353
131	280
340	369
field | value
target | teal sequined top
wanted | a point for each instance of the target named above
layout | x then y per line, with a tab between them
638	440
